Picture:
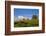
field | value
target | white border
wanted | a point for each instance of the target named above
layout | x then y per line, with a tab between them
27	28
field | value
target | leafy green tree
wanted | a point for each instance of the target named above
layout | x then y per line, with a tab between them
34	17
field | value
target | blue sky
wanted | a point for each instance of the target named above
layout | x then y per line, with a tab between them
25	12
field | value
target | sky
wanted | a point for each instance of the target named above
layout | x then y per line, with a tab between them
25	12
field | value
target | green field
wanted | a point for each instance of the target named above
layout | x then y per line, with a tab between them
27	23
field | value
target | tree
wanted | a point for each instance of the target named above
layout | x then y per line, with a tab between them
34	17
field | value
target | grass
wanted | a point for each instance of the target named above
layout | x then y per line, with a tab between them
27	23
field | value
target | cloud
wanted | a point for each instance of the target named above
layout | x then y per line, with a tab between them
21	18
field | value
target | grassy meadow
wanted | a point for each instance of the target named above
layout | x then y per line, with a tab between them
27	23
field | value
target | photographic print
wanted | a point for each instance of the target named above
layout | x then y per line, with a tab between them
24	18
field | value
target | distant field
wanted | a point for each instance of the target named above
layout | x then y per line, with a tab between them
27	23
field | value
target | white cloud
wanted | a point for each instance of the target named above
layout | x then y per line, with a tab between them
21	18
